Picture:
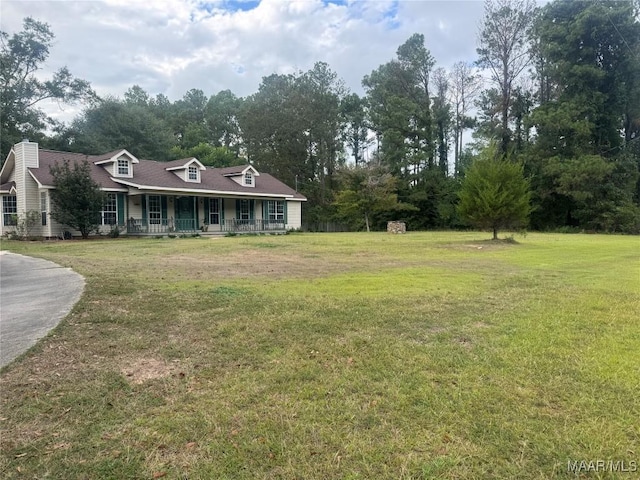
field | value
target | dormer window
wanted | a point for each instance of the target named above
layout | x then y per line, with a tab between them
187	169
118	165
123	167
244	175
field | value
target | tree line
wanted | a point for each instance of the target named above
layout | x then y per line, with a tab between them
554	89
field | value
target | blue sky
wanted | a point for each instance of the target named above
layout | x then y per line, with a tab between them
171	46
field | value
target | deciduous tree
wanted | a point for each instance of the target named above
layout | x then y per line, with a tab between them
442	118
76	200
366	191
21	56
465	84
292	128
221	114
504	51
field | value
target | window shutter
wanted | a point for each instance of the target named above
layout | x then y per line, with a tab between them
222	210
265	212
207	207
120	199
238	209
144	209
251	208
285	213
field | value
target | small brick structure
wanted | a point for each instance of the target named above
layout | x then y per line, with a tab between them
396	227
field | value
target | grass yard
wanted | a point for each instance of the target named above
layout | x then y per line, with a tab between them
333	356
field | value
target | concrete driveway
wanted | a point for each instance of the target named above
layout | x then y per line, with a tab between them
35	295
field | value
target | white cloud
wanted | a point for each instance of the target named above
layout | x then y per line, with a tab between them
171	46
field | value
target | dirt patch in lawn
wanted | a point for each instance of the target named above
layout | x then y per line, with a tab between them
264	263
144	369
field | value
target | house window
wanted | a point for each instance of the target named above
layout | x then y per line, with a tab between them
214	211
248	178
43	207
110	210
123	166
245	212
10	210
193	173
155	210
275	211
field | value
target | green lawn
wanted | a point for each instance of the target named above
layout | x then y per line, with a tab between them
333	356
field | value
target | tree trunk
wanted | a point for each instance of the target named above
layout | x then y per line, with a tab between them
366	221
495	233
506	97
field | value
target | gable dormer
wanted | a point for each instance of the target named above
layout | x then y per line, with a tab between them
245	175
188	169
118	164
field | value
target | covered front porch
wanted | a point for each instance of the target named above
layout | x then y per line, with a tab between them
150	214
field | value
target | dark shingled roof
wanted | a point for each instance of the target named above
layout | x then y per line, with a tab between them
48	158
6	187
149	173
177	163
237	170
104	156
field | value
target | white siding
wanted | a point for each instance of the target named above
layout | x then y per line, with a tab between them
56	228
111	168
28	151
229	208
294	215
134	210
20	173
46	230
259	209
182	174
27	193
32	195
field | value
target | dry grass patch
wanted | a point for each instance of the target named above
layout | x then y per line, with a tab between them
141	370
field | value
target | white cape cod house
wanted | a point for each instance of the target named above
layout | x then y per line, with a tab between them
145	197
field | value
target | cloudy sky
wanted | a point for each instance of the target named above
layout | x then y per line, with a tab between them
171	46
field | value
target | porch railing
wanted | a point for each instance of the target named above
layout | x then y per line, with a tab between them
160	225
237	225
164	226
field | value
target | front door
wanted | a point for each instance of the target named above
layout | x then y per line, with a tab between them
185	213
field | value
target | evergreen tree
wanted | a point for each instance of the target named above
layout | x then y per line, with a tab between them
114	124
401	110
494	193
583	165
